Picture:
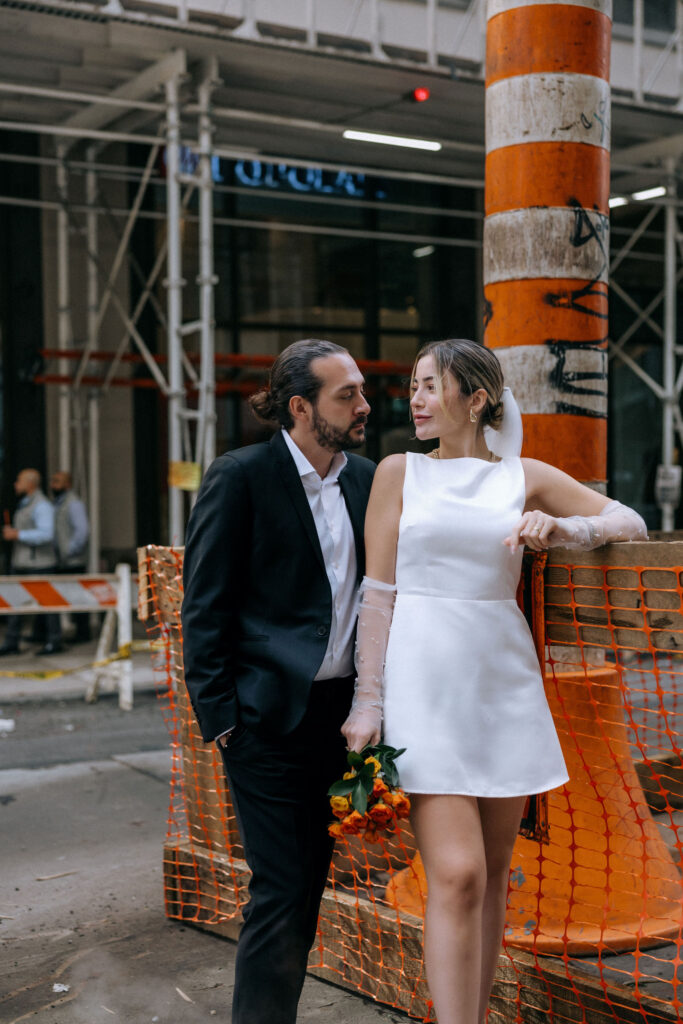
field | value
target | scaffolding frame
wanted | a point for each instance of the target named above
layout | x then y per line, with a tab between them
79	400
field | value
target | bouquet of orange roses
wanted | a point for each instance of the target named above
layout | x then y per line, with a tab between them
368	798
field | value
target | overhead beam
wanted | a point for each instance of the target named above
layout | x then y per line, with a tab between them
139	88
660	149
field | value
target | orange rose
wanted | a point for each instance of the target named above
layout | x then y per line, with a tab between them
340	806
370	835
381	814
353	823
379	789
402	805
335	830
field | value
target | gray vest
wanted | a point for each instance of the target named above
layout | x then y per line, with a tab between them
63	533
31	556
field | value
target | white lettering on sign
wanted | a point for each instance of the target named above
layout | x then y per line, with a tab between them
256	174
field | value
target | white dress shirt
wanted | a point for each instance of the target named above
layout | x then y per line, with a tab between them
335	533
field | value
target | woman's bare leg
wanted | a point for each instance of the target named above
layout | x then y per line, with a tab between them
500	824
449	835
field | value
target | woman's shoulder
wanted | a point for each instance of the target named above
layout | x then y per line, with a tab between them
391	472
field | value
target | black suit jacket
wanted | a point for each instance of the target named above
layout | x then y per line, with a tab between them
257	607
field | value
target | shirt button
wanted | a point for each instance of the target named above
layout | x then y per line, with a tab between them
321	630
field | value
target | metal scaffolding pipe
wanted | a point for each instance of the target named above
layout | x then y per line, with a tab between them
206	425
174	285
93	395
64	330
669	353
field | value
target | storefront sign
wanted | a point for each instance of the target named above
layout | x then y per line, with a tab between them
257	174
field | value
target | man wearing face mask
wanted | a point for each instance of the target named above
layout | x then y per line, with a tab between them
71	539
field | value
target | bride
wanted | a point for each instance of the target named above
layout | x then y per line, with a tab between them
445	658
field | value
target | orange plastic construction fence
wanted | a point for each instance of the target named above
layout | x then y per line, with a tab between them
595	907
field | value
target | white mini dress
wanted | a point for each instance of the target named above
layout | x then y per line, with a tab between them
463	689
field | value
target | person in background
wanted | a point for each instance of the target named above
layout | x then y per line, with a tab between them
72	531
33	554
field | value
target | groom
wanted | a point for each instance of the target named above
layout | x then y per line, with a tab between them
273	559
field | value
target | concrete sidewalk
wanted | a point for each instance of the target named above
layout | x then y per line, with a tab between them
83	936
84	801
78	657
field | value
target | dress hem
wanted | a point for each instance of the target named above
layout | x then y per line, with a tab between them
496	796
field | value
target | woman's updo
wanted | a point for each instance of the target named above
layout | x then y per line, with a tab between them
291	374
473	367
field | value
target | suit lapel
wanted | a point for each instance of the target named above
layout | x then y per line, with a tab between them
295	490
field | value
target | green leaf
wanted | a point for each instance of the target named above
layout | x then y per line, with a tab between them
367	783
354	759
341	788
359	798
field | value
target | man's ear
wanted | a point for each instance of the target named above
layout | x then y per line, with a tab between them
299	408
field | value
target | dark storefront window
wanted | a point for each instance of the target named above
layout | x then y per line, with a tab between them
377	265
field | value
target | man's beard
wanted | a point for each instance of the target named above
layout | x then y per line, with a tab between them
334	439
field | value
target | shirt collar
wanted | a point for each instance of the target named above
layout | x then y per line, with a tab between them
304	467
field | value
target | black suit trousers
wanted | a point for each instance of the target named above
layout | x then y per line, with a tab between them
279	790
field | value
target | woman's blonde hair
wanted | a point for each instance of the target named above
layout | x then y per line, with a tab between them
473	367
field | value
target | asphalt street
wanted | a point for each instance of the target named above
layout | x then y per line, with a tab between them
83	936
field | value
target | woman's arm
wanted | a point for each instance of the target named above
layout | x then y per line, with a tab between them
382	518
561	512
364	724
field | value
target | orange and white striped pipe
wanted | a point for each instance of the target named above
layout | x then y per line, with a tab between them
546	231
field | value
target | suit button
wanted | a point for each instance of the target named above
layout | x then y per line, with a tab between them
322	630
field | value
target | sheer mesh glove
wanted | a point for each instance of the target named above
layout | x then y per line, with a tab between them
615	523
376	609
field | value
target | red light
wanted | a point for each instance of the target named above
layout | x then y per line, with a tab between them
420	95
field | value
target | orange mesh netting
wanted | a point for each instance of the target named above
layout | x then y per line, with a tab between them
595	908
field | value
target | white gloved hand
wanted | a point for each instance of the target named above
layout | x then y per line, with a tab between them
615	523
376	609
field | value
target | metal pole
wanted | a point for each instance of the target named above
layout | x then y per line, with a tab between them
93	395
376	31
206	426
124	617
310	22
63	309
638	29
669	354
431	32
174	286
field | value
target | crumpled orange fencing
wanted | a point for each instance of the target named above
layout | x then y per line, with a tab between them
595	913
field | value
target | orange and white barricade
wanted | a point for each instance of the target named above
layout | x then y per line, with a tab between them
115	594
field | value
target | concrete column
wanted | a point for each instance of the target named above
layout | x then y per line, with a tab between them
546	232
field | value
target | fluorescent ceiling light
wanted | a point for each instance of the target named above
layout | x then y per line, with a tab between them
617	201
424	250
392	140
650	193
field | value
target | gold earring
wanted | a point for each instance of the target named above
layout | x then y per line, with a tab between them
473	416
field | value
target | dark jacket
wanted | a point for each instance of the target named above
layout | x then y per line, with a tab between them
257	607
